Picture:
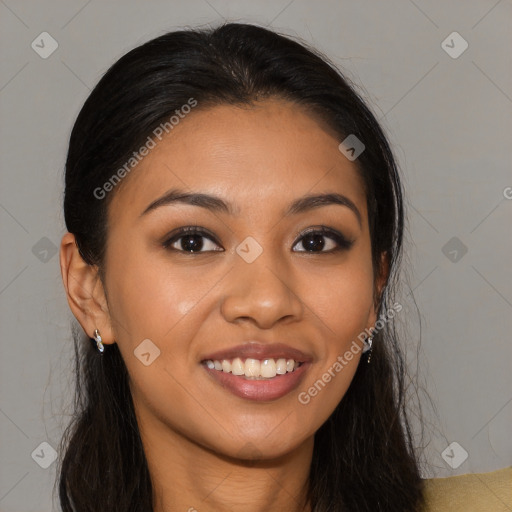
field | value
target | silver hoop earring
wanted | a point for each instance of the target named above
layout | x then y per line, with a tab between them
98	340
368	345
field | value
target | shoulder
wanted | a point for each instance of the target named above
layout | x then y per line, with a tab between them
474	492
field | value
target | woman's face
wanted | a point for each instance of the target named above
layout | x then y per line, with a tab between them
252	276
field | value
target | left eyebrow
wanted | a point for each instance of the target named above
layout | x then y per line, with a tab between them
311	201
214	203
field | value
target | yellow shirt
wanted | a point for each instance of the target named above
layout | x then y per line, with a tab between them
477	492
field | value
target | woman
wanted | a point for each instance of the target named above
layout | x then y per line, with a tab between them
235	229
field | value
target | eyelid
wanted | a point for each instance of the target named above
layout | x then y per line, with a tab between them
343	242
186	230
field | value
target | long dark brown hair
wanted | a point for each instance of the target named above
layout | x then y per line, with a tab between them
364	457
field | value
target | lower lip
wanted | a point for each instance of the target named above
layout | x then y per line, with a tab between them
259	390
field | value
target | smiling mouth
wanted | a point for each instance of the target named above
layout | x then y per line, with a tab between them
254	369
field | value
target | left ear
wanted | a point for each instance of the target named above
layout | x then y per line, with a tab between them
381	277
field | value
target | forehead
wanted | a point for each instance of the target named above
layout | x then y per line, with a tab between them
270	151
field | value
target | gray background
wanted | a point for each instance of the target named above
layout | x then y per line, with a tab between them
448	119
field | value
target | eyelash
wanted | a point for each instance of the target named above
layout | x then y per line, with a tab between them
343	244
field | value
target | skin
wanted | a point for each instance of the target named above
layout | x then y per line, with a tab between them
206	448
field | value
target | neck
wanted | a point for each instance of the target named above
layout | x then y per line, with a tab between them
189	477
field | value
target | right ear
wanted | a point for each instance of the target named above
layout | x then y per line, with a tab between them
84	290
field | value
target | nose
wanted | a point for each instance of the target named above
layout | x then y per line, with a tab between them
261	292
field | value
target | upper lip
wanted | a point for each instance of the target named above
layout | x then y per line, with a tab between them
256	350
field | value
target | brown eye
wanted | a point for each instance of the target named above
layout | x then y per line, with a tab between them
191	240
323	240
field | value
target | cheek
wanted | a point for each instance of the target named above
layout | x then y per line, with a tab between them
342	301
152	299
148	296
163	304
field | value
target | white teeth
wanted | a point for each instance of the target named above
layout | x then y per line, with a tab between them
254	368
268	368
237	367
281	366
